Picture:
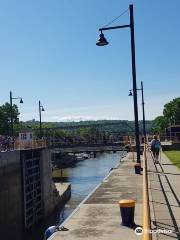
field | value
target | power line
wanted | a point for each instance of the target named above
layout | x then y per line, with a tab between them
116	18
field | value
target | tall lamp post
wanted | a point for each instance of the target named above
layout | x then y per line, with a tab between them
41	109
143	111
11	111
102	42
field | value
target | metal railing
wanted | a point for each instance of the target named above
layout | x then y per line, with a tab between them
32	144
146	208
164	139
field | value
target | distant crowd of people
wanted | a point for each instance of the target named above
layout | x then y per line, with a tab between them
6	143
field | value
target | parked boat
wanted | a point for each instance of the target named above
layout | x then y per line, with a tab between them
61	160
82	156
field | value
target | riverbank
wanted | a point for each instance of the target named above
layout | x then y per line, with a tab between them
98	216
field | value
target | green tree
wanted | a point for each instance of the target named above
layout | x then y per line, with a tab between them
172	111
5	117
159	124
171	116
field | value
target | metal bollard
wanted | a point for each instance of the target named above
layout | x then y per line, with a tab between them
127	207
137	168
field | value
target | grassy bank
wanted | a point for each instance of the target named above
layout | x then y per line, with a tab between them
174	156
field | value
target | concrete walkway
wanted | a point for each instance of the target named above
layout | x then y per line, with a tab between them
164	186
98	217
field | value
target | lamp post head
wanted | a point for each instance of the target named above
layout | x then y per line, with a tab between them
102	40
130	93
21	101
42	109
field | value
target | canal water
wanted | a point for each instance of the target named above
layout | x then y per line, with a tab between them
85	176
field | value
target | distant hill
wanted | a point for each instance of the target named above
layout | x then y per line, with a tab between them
110	126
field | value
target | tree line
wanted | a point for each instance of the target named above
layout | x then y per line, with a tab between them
89	129
171	116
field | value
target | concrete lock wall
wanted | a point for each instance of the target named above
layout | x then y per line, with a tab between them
52	197
15	175
31	183
11	212
48	187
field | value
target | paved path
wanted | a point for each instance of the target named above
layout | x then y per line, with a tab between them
164	186
99	216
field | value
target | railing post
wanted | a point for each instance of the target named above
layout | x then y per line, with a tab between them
146	209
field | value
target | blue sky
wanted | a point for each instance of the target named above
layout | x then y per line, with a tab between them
48	53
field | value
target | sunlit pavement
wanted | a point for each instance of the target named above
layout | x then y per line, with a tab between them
99	216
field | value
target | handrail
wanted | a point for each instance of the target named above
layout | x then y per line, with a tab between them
32	144
146	208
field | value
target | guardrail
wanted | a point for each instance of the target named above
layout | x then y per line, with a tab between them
146	208
33	144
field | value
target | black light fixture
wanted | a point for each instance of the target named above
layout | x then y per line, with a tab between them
130	93
102	40
11	111
144	123
41	109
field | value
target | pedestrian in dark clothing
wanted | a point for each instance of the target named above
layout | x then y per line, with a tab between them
155	148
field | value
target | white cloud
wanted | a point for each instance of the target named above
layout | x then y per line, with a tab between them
119	110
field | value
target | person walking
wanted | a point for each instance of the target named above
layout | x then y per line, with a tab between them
155	148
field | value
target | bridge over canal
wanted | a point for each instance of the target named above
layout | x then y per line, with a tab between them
89	148
108	147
